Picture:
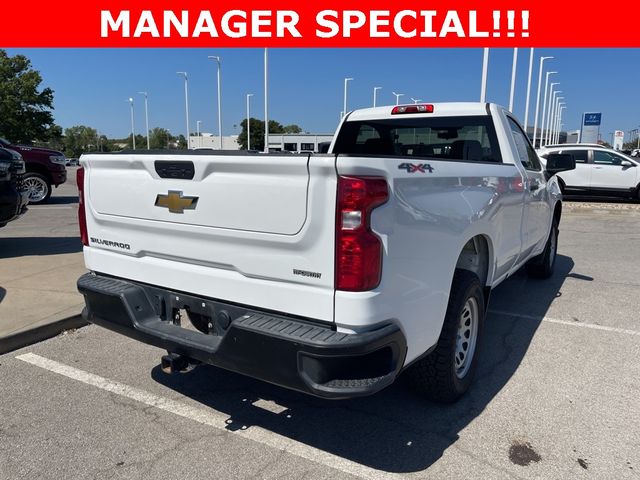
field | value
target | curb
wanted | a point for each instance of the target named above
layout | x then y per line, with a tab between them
38	334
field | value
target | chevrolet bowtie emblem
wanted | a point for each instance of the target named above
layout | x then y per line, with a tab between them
175	202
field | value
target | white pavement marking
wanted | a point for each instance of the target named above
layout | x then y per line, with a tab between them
566	322
210	418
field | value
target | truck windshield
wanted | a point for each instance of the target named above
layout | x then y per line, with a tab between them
471	138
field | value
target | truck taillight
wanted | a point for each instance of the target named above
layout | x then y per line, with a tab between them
358	249
82	216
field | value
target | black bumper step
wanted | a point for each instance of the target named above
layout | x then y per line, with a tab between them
295	353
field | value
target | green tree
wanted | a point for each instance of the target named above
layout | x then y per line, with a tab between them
159	138
25	107
141	142
257	132
80	139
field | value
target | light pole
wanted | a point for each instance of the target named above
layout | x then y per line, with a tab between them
416	100
485	68
146	116
344	109
375	94
544	106
133	129
559	127
514	65
535	121
552	101
638	137
186	103
554	119
219	62
266	105
526	107
249	95
198	123
398	95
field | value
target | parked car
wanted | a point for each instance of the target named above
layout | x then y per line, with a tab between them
45	168
13	198
599	171
635	152
332	275
72	162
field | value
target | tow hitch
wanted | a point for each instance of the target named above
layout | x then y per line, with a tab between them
174	363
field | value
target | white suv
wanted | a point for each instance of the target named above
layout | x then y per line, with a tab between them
599	170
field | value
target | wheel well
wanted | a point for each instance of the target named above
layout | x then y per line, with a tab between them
475	258
37	168
557	213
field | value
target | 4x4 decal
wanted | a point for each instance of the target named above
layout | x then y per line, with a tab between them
413	167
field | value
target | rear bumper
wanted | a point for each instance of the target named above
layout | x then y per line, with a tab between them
293	353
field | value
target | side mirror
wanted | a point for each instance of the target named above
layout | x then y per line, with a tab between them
560	162
627	163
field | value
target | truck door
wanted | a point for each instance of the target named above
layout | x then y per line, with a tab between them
537	212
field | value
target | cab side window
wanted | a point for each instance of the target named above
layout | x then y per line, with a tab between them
527	155
605	158
580	156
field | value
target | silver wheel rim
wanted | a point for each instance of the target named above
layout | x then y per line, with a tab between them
36	187
466	337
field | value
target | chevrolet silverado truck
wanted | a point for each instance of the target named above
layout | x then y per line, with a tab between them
327	273
45	168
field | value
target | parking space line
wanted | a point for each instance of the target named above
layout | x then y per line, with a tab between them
592	326
210	418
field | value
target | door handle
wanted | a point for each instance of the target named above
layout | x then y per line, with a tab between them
598	168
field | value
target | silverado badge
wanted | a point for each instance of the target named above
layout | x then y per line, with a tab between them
176	202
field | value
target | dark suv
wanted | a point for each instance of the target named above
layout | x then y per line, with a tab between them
13	198
45	168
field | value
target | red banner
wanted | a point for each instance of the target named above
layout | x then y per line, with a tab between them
289	23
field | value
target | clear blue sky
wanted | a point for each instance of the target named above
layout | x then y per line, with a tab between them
306	85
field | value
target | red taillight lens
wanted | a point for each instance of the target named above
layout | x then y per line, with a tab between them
400	109
358	249
82	217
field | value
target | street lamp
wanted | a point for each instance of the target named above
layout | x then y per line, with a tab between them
526	107
535	122
186	103
559	126
219	62
416	100
133	130
485	68
146	115
544	106
266	105
514	65
554	119
398	95
552	100
198	123
375	94
346	81
249	95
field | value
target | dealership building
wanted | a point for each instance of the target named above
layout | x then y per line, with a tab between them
290	142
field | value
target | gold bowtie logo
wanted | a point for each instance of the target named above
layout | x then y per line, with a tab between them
176	202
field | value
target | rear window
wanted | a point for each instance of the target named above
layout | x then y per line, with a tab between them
470	138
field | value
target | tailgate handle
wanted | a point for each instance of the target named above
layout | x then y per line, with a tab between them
168	169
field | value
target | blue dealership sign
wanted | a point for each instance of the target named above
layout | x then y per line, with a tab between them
592	119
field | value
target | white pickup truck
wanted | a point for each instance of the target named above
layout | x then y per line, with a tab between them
326	273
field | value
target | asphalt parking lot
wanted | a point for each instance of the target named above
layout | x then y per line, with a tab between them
556	395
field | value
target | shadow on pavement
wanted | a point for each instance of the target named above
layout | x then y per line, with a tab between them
62	200
25	246
3	292
394	430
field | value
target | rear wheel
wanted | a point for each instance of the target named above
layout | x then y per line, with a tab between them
542	265
447	372
37	186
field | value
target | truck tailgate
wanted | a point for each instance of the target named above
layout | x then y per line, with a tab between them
251	229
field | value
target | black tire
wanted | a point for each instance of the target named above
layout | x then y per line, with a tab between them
437	376
541	266
39	187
